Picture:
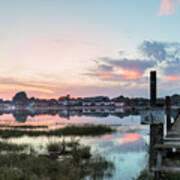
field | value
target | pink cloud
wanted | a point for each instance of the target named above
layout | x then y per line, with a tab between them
130	74
173	78
168	7
105	76
125	75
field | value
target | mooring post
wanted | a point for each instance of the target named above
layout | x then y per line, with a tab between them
153	88
168	112
156	137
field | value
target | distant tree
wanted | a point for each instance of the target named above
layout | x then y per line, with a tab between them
32	99
20	98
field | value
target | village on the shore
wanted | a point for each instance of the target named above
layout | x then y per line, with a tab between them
20	101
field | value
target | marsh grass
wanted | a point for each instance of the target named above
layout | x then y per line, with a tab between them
86	130
170	176
72	148
76	162
57	147
81	152
6	146
54	147
145	175
77	166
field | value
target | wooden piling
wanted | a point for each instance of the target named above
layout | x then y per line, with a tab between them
153	88
156	137
168	112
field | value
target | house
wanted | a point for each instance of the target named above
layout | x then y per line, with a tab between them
119	104
87	103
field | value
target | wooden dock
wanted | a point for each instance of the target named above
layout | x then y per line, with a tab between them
174	132
168	150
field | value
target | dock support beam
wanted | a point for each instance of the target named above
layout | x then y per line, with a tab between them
153	88
156	137
168	112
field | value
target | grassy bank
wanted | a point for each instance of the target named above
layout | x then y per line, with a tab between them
147	175
11	147
29	167
79	164
86	130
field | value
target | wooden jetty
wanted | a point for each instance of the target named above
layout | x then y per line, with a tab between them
164	147
174	132
168	148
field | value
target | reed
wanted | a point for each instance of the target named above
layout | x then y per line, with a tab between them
86	130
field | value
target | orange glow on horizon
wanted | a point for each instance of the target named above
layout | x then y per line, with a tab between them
128	138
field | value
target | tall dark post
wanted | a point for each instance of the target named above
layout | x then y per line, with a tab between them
168	112
156	136
153	88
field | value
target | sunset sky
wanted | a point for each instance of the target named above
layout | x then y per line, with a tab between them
51	48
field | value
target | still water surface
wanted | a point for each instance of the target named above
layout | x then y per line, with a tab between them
127	148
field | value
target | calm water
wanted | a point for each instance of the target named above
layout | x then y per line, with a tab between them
127	148
57	120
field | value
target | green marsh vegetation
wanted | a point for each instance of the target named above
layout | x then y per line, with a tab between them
170	176
85	130
7	146
30	167
77	165
72	148
147	175
64	160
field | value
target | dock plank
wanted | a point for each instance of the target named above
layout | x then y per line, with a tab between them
170	143
174	132
166	169
167	146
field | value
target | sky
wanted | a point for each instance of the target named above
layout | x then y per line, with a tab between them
50	48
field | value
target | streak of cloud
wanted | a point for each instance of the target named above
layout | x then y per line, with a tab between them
111	69
154	50
173	78
133	72
168	7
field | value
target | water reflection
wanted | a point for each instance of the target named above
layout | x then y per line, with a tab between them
128	148
131	138
55	118
129	157
20	116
